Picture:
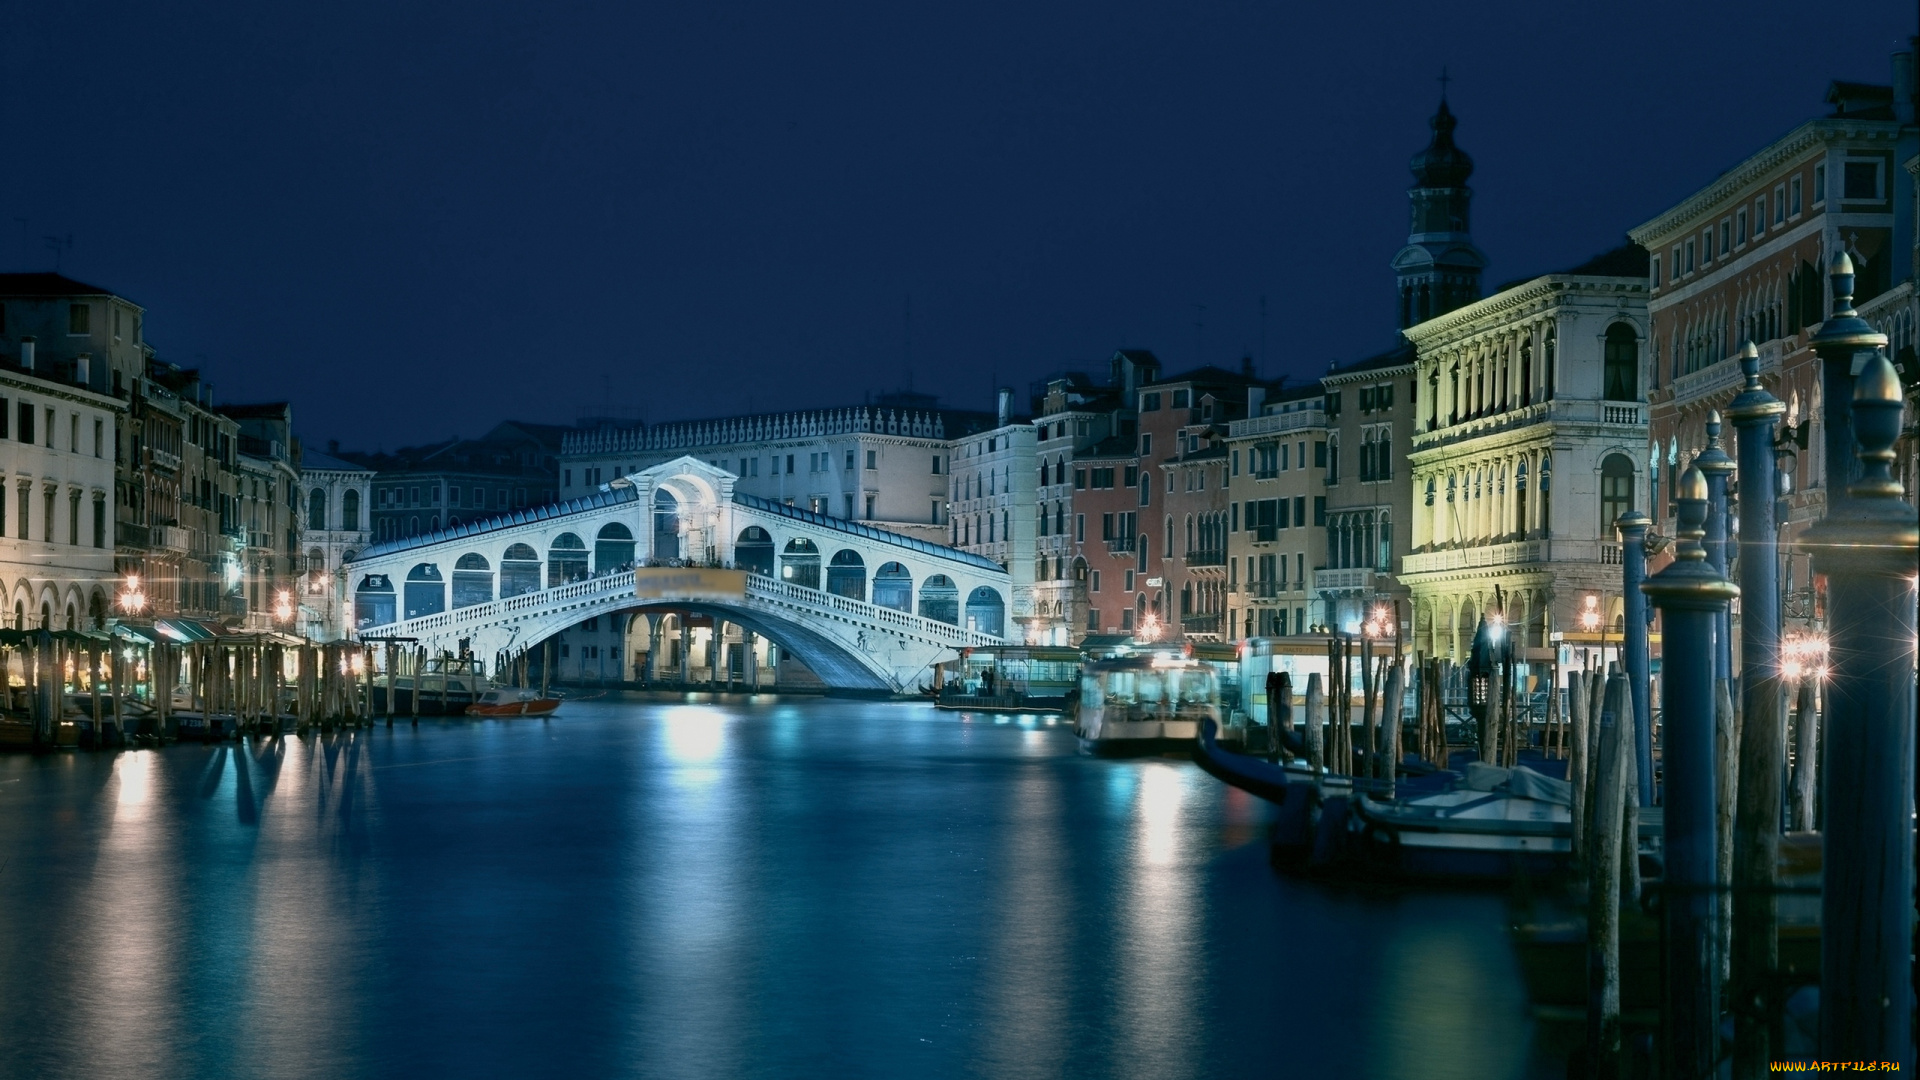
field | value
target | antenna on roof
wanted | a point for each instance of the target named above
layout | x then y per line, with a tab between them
59	246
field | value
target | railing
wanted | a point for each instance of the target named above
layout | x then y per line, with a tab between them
1206	558
1621	414
1609	554
126	534
1360	578
1264	590
1201	624
1117	544
1276	422
619	587
1575	411
1725	374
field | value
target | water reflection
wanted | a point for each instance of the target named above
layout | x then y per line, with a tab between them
757	889
1158	908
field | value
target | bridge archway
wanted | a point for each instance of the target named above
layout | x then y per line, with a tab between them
519	570
373	602
986	612
753	551
831	661
472	580
800	563
940	600
426	591
566	559
847	575
612	548
893	587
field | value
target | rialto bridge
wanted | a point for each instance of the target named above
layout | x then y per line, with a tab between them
863	608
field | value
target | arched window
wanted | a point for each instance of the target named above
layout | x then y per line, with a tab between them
317	508
666	525
612	548
566	560
426	591
1616	491
350	509
1622	366
472	580
519	571
1546	496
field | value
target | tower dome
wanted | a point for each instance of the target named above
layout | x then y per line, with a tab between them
1441	164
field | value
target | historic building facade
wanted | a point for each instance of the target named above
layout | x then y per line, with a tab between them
1073	415
1530	439
993	493
334	496
885	464
1276	465
56	524
1369	408
1746	258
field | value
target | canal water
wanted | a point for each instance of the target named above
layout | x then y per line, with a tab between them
656	887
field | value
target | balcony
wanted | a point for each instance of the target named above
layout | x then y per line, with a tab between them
170	537
1350	579
1725	374
1517	553
1265	590
1119	544
126	534
1206	558
1561	411
1200	624
1277	422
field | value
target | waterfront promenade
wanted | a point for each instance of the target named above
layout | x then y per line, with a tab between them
658	887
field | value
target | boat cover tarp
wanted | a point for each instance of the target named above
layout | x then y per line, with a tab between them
1520	781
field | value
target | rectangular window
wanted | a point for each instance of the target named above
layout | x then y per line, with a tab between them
1146	444
1740	227
1779	203
936	464
1179	399
1233	513
1759	217
99	438
1080	528
1096	582
1079	479
4	417
1859	180
79	319
1319	453
1300	510
789	464
1819	187
26	511
1149	402
849	463
1689	256
1132	475
1146	489
1679	266
1128	583
1793	197
49	429
1706	246
1319	510
1366	399
1236	463
870	508
1283	458
73	433
1726	237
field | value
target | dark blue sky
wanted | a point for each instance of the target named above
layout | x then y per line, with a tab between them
416	219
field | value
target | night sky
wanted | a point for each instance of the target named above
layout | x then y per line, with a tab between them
414	220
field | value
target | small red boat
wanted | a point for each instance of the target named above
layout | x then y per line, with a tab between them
511	702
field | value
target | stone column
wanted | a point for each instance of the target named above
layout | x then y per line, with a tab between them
717	655
749	641
686	650
652	671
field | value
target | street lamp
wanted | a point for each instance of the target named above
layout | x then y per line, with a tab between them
1804	656
283	606
132	600
1149	628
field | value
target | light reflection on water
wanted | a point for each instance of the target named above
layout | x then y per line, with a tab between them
685	888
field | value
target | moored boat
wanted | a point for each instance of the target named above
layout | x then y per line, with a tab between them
507	701
1145	703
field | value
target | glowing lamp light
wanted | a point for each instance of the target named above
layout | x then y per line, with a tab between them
132	600
1590	614
1496	627
283	605
1149	628
1803	656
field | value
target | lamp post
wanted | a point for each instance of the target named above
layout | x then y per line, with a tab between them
1691	595
132	600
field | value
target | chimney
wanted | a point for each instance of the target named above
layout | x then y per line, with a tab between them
333	446
26	354
83	369
1006	405
1256	400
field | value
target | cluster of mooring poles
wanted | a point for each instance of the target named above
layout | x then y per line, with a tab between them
95	689
1735	774
515	666
1366	744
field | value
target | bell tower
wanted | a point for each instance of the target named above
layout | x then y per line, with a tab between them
1439	269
